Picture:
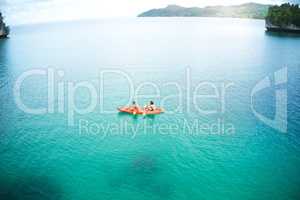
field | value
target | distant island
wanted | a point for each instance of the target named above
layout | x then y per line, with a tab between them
4	30
248	10
284	18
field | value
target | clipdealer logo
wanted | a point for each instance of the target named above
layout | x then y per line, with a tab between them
275	82
279	87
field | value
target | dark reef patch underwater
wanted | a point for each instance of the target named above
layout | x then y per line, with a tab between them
29	188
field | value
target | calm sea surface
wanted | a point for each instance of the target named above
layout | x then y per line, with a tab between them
209	145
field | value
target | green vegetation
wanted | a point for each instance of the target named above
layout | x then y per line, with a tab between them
248	10
284	15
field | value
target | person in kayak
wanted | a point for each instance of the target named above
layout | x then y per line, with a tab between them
134	107
150	106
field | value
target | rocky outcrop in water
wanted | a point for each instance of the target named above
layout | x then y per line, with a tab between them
284	18
290	28
4	30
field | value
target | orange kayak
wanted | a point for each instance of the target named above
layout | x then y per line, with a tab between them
140	111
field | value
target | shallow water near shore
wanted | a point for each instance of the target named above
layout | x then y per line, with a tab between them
107	155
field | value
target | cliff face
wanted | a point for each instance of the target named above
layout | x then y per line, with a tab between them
4	30
283	28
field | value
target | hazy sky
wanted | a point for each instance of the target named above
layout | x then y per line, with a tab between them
33	11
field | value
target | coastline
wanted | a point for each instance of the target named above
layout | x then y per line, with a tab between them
4	30
285	29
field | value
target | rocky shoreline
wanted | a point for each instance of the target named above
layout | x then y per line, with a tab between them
4	30
286	29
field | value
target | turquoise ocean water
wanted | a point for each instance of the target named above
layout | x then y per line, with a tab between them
236	156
